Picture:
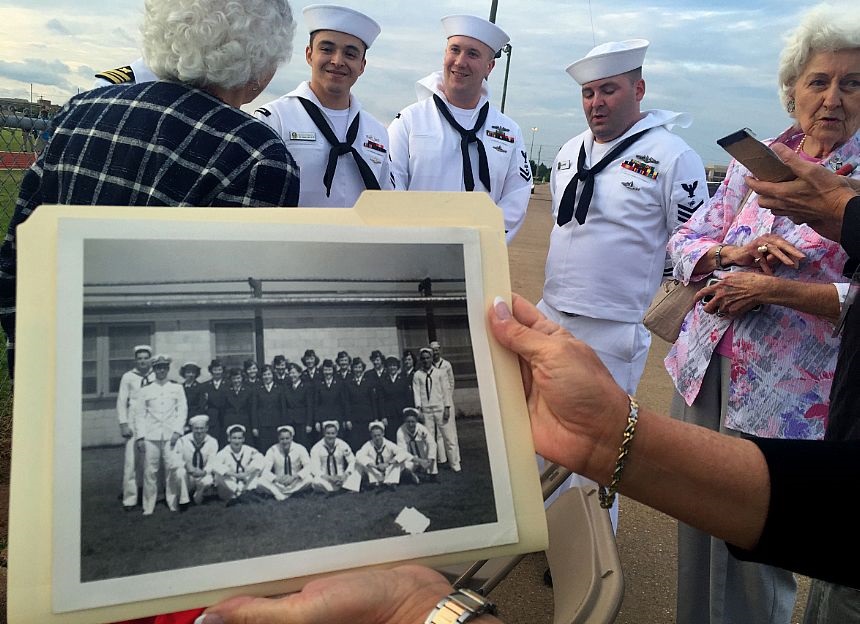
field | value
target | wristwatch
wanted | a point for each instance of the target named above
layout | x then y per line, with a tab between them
462	605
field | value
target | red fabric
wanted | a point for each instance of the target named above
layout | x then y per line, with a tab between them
180	617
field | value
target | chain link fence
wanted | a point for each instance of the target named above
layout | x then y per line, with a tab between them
22	136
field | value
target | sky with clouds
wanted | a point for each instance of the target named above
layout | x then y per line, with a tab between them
716	60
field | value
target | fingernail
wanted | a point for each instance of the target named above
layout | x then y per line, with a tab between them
503	312
209	618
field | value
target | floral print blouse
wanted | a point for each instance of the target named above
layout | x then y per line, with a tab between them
783	360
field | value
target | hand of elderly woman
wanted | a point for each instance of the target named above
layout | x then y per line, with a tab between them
763	252
403	595
741	291
738	293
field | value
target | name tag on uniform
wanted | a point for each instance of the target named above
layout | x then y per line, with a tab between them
563	165
302	136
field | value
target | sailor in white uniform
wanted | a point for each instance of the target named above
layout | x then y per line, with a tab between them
380	460
333	463
195	454
416	439
452	138
619	189
130	384
287	465
237	467
341	149
433	399
157	416
135	73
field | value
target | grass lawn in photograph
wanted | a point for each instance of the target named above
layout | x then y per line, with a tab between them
117	543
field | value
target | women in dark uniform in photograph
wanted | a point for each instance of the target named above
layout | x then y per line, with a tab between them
237	404
268	409
408	366
344	365
311	375
252	373
195	396
330	400
215	392
377	360
298	398
395	393
362	403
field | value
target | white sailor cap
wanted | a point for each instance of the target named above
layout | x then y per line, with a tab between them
199	419
435	345
233	428
609	59
146	348
330	423
477	28
427	349
411	411
341	19
287	428
161	360
376	424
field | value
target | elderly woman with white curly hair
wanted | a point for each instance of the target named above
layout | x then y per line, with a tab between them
180	141
758	358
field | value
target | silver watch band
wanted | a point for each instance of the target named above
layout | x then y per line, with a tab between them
460	606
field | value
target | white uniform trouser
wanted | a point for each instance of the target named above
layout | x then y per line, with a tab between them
129	473
623	349
279	490
447	446
391	475
413	466
157	453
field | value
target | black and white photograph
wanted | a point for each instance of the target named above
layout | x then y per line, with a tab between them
270	401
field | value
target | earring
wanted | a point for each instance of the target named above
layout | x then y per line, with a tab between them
790	106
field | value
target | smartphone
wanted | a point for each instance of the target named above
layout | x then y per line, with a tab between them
710	282
762	162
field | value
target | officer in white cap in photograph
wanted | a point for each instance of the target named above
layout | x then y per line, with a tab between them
619	189
340	148
452	138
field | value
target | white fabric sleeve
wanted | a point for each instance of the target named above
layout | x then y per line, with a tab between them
398	151
514	199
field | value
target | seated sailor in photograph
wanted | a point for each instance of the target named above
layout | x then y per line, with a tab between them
341	149
237	467
416	439
195	454
332	461
286	466
380	461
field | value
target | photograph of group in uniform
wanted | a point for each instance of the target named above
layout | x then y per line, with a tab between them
244	400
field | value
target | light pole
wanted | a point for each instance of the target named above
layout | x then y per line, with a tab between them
532	148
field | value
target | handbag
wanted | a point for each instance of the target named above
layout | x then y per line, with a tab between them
670	306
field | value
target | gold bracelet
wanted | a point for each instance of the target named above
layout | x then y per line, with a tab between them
607	495
718	257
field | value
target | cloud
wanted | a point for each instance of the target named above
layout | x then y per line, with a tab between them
56	27
48	73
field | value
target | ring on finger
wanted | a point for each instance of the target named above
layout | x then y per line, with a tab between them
757	260
762	249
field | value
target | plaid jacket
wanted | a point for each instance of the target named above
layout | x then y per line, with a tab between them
151	144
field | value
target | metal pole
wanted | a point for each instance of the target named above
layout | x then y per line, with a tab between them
507	50
493	8
532	147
